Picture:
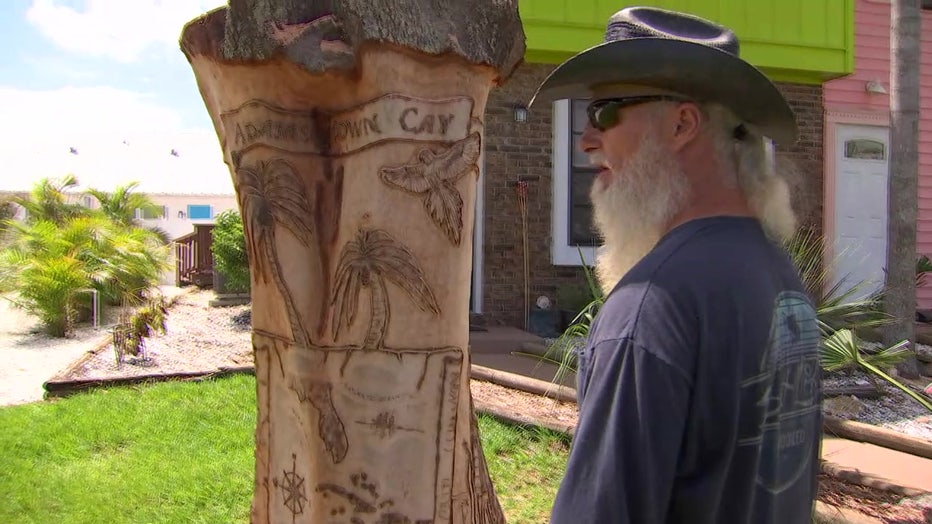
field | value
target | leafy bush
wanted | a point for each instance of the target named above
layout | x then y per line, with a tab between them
229	249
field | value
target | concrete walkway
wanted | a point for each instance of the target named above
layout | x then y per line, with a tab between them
31	359
898	468
492	348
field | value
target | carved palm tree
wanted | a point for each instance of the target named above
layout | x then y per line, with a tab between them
270	193
368	261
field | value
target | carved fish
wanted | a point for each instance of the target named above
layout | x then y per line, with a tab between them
433	174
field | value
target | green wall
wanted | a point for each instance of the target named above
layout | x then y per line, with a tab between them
806	41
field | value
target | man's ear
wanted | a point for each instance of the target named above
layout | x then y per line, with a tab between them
687	123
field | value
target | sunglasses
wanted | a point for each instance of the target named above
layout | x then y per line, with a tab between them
604	113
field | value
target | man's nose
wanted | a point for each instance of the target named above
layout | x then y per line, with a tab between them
590	139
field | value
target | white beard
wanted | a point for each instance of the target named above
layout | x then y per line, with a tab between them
643	196
632	213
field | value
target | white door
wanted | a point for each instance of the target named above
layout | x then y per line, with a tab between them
860	243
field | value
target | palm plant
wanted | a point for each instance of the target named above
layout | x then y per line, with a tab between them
843	350
132	331
41	274
841	318
369	261
271	193
120	261
121	204
923	266
47	201
49	268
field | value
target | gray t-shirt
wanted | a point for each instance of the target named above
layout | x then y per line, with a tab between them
699	388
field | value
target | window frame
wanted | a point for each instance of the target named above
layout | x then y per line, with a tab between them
210	212
140	215
563	253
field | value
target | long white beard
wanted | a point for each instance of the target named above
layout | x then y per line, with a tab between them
643	196
633	211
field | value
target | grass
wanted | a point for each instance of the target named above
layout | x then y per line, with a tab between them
183	452
163	453
526	466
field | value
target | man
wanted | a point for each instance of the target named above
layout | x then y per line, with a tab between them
699	387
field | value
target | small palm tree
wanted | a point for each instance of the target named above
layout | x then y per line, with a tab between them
121	204
42	273
369	261
272	193
47	201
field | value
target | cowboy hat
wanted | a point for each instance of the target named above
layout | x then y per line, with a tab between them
658	49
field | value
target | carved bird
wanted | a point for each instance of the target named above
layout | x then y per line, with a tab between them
433	174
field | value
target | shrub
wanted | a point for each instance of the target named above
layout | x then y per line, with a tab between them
229	249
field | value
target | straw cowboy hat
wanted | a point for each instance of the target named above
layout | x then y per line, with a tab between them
648	50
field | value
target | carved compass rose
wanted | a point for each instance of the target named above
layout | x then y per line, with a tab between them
292	486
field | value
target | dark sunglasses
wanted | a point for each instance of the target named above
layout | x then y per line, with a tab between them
604	113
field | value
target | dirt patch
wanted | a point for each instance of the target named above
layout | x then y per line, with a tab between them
507	400
31	357
198	338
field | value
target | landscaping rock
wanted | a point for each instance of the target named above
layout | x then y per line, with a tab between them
843	406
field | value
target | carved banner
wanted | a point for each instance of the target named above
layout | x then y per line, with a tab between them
389	117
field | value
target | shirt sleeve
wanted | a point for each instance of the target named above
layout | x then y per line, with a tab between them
622	464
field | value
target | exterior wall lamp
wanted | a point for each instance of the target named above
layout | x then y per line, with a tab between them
520	114
875	87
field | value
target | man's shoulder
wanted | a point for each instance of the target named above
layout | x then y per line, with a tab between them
705	264
708	253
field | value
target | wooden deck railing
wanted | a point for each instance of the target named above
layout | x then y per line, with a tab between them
194	260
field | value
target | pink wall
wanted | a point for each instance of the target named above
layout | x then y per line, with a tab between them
846	100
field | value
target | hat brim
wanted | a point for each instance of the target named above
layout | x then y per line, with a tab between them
695	70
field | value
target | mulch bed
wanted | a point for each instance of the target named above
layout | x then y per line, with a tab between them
883	505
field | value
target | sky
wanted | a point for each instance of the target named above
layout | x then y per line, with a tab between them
94	75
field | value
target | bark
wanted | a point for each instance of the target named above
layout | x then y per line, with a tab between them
377	108
903	192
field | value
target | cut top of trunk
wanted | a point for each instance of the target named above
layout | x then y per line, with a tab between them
324	35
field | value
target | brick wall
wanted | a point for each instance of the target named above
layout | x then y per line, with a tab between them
514	150
805	155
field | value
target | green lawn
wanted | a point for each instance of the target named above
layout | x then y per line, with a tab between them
182	453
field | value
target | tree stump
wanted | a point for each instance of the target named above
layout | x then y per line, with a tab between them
352	131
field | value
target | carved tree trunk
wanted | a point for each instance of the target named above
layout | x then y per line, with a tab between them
352	131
